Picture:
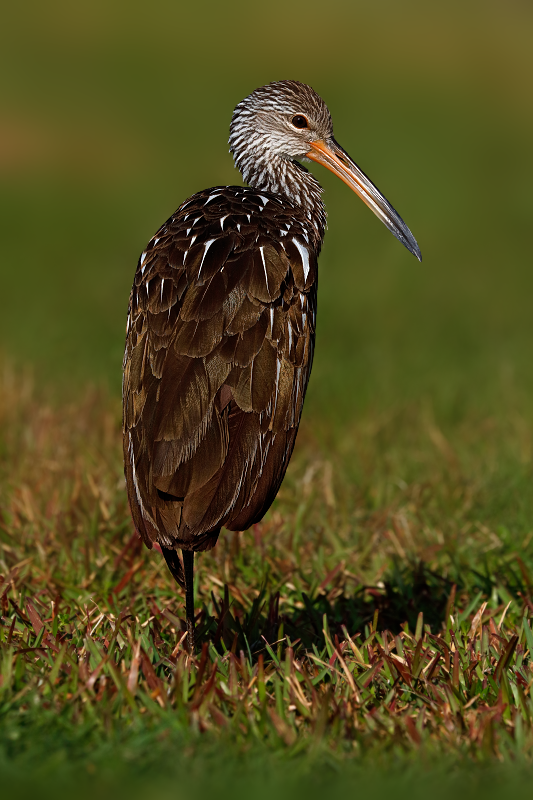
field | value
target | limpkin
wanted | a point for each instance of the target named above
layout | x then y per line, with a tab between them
221	328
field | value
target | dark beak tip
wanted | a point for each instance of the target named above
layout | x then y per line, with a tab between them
410	243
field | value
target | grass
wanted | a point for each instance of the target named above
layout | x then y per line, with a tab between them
369	618
408	505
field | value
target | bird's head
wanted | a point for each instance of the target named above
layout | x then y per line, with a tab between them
287	121
281	119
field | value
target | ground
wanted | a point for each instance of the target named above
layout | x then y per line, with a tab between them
367	617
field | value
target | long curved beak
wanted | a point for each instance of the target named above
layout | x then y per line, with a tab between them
332	156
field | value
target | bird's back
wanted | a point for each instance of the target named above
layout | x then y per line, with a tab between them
219	348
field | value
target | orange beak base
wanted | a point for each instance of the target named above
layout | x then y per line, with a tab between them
332	156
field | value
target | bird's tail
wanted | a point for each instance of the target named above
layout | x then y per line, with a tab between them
174	564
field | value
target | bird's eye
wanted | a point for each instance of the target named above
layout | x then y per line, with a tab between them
299	122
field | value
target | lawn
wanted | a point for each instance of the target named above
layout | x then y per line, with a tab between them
375	629
370	618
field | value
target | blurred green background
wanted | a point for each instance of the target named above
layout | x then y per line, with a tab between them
113	113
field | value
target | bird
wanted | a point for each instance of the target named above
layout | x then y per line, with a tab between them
221	327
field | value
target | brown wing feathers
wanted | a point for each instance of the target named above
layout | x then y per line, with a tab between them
218	355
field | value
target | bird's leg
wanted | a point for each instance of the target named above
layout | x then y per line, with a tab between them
188	566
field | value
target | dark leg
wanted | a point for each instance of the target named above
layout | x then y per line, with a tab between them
186	581
188	564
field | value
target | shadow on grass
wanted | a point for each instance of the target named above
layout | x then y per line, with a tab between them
397	602
411	595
